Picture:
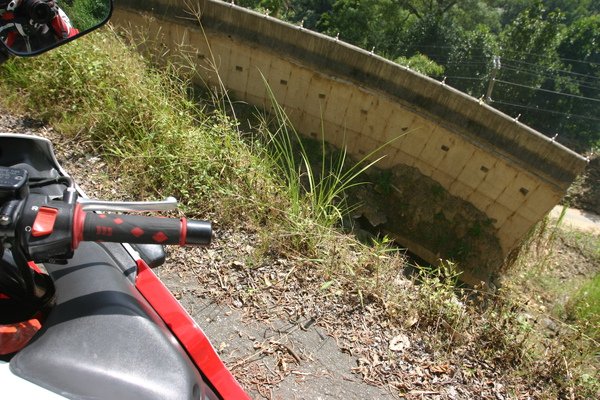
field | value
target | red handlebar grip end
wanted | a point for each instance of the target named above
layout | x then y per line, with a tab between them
183	233
78	220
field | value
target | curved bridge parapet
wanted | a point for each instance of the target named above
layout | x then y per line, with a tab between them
483	179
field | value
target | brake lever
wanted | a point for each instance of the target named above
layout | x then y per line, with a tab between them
169	204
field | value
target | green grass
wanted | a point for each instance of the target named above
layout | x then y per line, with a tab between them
584	307
86	14
143	120
564	290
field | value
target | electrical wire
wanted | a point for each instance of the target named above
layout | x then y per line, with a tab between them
578	77
560	58
527	72
467	63
548	91
527	66
558	70
548	73
579	81
546	110
517	52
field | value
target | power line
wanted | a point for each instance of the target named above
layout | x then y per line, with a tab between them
517	52
557	70
560	58
468	63
529	72
576	80
548	91
577	77
579	80
546	110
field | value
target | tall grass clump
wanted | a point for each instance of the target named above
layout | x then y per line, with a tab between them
321	191
316	181
101	90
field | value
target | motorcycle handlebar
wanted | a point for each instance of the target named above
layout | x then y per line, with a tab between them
119	228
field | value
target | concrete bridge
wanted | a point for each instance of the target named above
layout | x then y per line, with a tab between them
464	181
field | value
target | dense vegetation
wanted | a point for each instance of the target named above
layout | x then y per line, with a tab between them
86	14
545	55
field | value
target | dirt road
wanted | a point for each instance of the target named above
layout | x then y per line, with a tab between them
577	219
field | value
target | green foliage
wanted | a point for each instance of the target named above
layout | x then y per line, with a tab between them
352	19
470	14
476	44
424	8
510	9
584	307
100	91
368	24
421	63
580	53
574	9
548	51
532	39
86	14
439	298
433	35
308	12
272	7
142	119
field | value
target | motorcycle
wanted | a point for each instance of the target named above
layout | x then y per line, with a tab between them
32	26
82	268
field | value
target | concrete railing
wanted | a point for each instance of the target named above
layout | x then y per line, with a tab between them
488	177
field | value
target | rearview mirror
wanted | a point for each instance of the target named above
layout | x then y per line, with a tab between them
30	27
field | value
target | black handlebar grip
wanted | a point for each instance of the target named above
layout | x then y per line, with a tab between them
140	229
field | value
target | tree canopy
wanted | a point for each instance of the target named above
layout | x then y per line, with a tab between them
544	56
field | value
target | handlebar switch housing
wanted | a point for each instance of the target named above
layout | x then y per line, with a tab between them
13	189
53	245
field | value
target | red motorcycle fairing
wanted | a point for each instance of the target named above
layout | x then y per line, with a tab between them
193	340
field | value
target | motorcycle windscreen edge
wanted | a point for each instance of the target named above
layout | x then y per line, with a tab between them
31	27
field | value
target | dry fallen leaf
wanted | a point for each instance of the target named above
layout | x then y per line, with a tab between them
440	369
411	320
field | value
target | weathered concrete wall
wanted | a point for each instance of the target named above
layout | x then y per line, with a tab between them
486	162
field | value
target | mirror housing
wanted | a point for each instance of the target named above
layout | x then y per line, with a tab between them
31	27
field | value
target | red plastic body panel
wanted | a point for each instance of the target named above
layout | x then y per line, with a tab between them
189	334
